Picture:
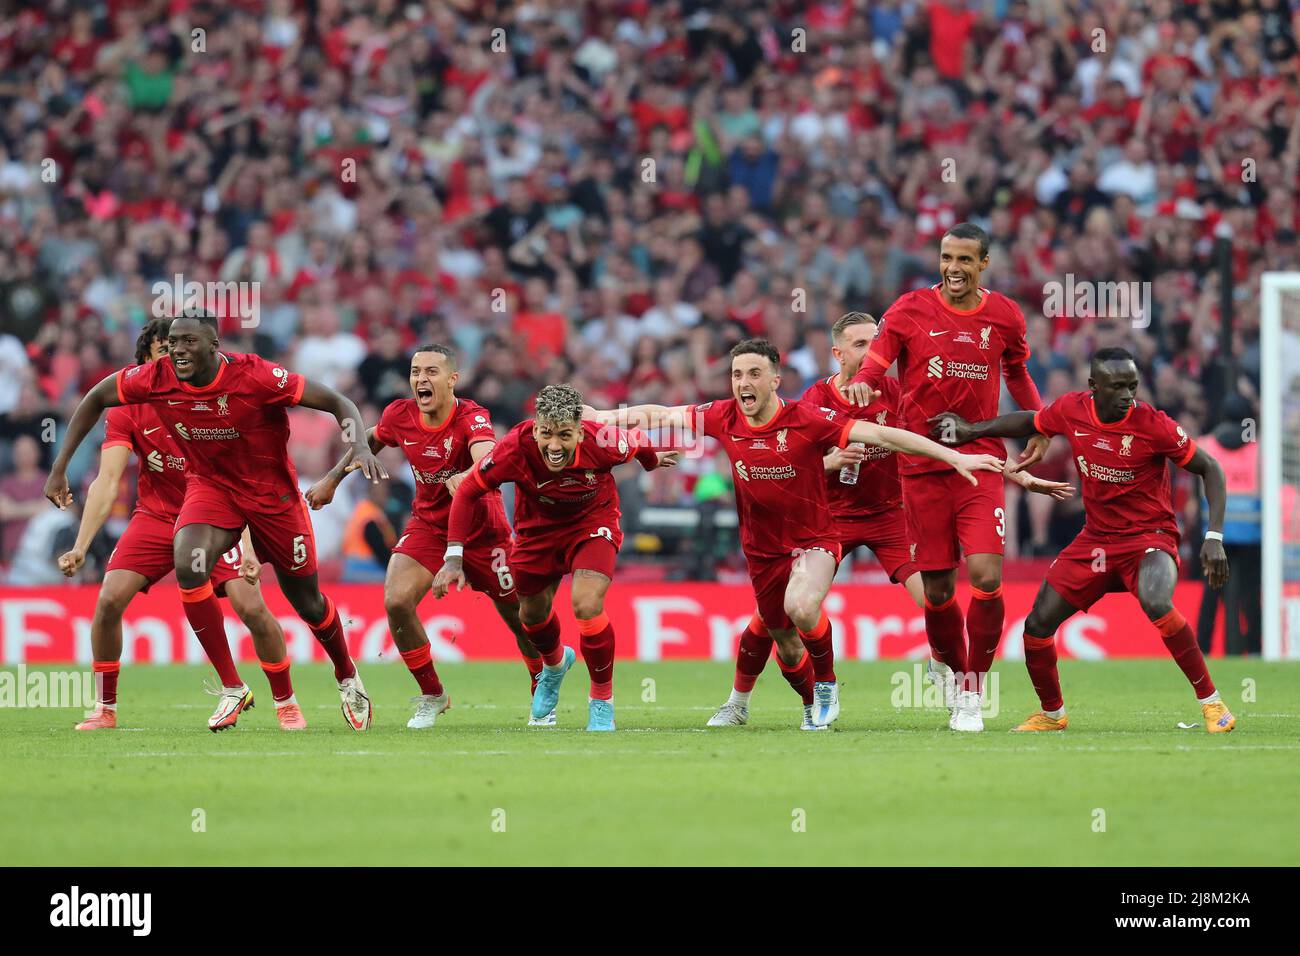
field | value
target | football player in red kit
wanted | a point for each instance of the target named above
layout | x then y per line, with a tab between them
442	436
144	552
567	521
787	531
1129	540
954	343
228	410
866	503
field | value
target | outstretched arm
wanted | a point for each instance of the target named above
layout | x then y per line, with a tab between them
471	488
951	429
912	444
322	492
99	503
324	398
99	398
1214	560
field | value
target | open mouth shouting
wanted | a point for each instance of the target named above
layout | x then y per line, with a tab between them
556	458
957	283
424	396
748	400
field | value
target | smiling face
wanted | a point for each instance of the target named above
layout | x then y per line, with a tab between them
754	381
851	346
558	442
193	348
433	381
960	266
1114	386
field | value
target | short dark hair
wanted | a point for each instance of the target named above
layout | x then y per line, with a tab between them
968	230
848	320
446	351
1112	354
154	330
198	315
758	347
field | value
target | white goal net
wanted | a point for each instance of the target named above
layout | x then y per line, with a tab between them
1279	435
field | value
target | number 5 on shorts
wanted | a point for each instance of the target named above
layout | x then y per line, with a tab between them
299	551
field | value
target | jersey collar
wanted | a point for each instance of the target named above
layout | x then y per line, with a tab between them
435	429
221	370
938	294
1092	413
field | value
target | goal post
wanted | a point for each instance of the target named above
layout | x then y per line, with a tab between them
1279	322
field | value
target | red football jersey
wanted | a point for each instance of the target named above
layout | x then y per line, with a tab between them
160	487
547	499
436	454
780	480
948	361
235	430
877	488
1122	464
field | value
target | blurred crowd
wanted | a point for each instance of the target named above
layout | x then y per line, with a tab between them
612	192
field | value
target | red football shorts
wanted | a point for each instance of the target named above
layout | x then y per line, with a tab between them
885	534
486	560
771	576
538	560
944	510
146	548
1093	564
283	539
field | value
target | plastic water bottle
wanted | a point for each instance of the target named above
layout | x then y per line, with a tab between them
849	473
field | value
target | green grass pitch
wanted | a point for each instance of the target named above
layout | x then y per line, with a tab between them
1122	786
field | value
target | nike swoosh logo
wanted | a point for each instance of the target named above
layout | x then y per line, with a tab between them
543	484
1082	434
150	431
944	332
170	402
405	442
737	437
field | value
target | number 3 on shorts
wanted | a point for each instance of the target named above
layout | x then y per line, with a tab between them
299	551
1001	515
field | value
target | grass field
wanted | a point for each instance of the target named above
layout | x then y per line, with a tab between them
891	786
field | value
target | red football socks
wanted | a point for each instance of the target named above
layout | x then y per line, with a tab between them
546	638
1181	641
277	675
420	663
946	632
597	642
800	676
752	654
106	673
1040	660
534	665
209	626
820	649
984	620
329	632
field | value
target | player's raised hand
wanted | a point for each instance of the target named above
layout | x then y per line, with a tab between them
321	493
369	465
669	459
451	572
950	428
859	393
967	465
57	490
1060	490
1214	562
1034	451
70	562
